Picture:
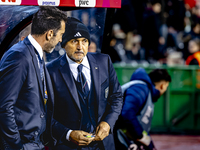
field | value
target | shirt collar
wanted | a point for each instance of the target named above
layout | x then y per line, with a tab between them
85	62
36	45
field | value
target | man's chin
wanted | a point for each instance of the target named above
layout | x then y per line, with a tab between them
77	60
49	51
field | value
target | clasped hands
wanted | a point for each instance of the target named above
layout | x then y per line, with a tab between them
79	136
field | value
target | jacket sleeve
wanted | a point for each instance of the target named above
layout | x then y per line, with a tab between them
115	98
12	76
59	131
135	98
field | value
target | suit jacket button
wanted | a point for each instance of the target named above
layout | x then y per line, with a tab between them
36	133
84	97
42	116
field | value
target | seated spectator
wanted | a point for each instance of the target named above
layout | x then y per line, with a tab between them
194	33
93	47
25	32
116	47
151	35
134	51
194	49
174	58
21	36
196	13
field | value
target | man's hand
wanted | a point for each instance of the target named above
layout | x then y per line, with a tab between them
102	131
79	137
145	139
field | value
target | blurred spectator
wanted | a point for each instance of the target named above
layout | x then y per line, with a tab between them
139	7
194	49
151	36
126	17
190	4
194	33
125	22
25	32
20	37
93	47
176	11
175	58
133	48
116	48
196	14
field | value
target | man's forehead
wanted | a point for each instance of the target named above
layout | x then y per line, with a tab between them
62	29
80	39
62	24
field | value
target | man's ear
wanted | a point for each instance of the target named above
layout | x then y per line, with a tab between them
49	35
22	38
159	85
162	85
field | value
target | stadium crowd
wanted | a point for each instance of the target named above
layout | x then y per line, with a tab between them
156	32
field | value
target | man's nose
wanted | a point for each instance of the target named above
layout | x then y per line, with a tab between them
60	40
79	45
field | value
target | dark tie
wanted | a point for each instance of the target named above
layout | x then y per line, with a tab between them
82	80
41	63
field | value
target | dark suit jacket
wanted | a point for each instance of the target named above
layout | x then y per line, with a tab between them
22	111
107	90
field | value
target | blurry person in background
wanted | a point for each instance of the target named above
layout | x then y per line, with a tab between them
140	94
194	33
116	46
126	17
196	13
176	21
174	58
176	13
189	4
93	47
133	48
151	35
21	36
194	50
25	32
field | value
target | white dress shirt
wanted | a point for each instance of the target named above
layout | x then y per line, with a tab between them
37	46
86	69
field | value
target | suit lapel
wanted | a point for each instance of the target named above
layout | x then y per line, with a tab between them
35	63
68	79
49	89
95	75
